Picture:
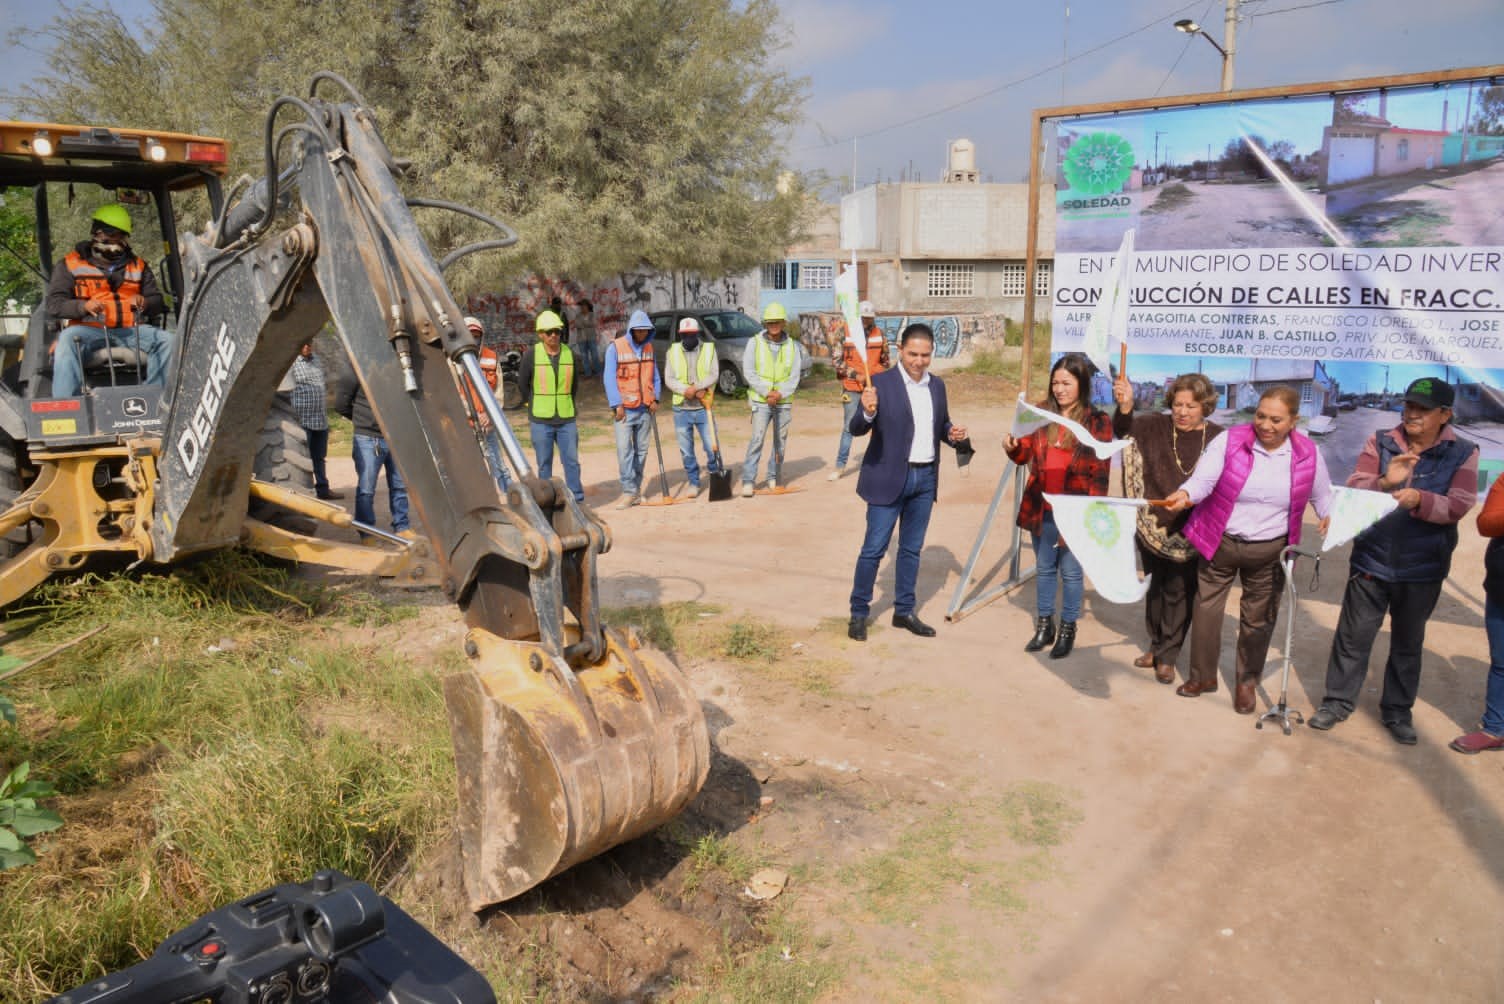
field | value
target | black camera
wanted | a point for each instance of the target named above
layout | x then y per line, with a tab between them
328	939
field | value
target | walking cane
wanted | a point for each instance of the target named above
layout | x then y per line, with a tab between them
1282	712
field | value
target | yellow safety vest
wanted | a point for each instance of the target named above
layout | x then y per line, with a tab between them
550	401
774	367
678	366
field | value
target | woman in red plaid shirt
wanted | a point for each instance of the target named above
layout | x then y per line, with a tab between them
1058	464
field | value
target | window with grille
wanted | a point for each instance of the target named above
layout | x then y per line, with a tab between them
817	277
952	280
1042	279
1014	279
776	276
1307	395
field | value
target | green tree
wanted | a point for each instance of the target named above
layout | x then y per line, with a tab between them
610	133
1488	119
19	280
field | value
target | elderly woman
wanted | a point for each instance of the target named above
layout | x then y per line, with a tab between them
1061	466
1165	451
1250	489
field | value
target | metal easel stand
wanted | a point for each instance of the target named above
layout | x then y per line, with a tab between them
1282	712
959	606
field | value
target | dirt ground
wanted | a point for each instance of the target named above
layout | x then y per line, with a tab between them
963	821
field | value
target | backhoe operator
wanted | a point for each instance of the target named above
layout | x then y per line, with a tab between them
104	290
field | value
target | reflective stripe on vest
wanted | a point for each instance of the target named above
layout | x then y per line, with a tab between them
550	401
90	281
678	366
773	367
634	381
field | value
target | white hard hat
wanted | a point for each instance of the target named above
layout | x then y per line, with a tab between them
867	309
474	324
688	325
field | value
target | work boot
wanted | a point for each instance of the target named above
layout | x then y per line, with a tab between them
747	491
1065	641
1044	633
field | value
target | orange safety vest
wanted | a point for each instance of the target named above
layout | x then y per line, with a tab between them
488	366
852	362
89	281
634	374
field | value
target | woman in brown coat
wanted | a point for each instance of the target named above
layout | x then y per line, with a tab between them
1165	451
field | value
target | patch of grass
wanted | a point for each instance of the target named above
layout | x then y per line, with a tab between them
1171	197
752	641
341	436
1039	814
990	361
714	852
197	777
672	627
789	967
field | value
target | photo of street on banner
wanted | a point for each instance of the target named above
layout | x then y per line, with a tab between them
1341	243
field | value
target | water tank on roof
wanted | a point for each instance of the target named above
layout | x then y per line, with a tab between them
961	161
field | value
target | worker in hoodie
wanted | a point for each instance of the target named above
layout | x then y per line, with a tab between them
632	390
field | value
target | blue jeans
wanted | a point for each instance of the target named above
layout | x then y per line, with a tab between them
492	444
911	513
632	449
76	341
1493	713
567	438
371	458
1051	559
686	421
318	449
779	416
589	357
848	412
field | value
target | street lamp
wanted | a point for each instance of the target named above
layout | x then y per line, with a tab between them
1190	27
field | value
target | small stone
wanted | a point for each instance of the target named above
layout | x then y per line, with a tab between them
765	800
1226	932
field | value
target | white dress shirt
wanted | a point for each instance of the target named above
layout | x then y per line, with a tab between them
922	404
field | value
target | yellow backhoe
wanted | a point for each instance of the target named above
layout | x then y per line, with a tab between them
570	736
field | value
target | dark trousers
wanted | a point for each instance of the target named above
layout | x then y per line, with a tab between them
1256	565
1168	604
1364	603
318	449
911	514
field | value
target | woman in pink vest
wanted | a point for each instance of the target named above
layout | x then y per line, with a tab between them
1250	489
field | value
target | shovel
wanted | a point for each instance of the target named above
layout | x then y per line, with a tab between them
720	479
666	498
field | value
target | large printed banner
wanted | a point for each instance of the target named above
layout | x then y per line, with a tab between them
1343	244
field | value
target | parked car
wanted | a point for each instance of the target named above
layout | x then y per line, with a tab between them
731	329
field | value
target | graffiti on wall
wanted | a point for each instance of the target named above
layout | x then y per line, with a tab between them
823	332
509	317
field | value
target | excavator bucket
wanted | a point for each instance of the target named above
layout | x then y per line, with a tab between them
557	765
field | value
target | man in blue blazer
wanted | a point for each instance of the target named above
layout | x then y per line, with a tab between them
905	410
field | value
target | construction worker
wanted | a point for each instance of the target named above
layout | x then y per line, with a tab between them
632	390
100	292
489	437
771	365
547	379
854	373
690	371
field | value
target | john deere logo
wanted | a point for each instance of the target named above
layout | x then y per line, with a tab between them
1102	524
1098	164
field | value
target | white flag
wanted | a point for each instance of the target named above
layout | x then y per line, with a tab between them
846	299
1027	419
1353	511
1099	532
1108	327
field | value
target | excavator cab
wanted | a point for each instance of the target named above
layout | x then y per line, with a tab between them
570	735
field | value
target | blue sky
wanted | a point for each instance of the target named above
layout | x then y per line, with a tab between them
874	65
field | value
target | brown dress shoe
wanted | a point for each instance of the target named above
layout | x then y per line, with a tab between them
1195	688
1144	661
1246	699
1165	673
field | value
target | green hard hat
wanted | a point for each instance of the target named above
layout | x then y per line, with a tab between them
113	215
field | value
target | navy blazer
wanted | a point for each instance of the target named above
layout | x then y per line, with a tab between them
885	467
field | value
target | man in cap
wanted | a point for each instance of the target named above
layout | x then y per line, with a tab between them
771	365
1397	565
489	436
690	371
310	403
632	390
100	292
854	371
547	379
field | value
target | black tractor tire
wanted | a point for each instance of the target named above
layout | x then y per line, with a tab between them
11	486
727	382
282	456
511	393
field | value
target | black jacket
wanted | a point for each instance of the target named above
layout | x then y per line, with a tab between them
350	401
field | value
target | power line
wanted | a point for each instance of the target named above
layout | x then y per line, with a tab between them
1189	38
1286	10
1003	87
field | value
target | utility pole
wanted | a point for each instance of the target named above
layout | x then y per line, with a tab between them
1229	42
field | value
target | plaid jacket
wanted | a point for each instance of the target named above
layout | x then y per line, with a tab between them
1086	475
308	396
